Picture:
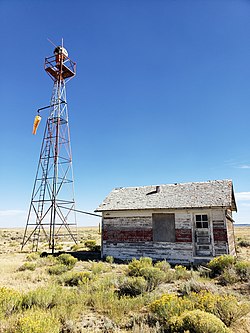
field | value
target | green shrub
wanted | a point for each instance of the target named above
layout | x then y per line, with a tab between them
228	276
225	307
33	256
153	276
169	276
133	286
67	260
144	268
135	265
90	244
42	297
76	247
27	266
196	286
109	259
229	310
59	247
10	301
99	267
243	270
204	300
218	264
244	243
37	321
181	273
170	305
75	278
57	269
48	261
96	248
163	265
197	321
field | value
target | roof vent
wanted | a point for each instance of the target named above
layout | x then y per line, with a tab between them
157	190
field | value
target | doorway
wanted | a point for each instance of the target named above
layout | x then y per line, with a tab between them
203	243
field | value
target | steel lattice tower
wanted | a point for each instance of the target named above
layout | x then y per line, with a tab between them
51	214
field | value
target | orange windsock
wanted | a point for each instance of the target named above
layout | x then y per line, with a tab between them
36	123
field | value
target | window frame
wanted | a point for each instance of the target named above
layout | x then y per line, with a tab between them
202	223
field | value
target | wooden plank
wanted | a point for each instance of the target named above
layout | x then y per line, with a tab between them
183	235
220	234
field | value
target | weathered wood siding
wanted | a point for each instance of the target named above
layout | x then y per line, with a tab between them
172	252
219	232
129	234
231	239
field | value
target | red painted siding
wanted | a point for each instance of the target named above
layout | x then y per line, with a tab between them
220	235
129	235
183	235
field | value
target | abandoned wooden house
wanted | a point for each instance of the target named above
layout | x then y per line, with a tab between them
183	223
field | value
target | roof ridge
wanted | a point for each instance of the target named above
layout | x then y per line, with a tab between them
185	183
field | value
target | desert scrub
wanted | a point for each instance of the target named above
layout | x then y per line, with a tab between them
132	286
181	273
243	270
163	265
61	300
37	321
99	267
114	307
170	305
57	269
135	265
225	307
219	264
154	276
92	246
10	301
228	276
42	297
33	256
144	268
27	266
72	279
77	247
197	321
47	261
243	243
67	260
169	273
229	310
194	285
109	259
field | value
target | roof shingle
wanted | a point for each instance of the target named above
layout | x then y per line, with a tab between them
216	193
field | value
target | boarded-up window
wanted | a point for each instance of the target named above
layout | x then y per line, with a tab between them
163	227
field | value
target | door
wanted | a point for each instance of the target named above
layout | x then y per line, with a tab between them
203	244
163	227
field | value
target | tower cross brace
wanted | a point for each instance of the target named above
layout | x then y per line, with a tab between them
51	214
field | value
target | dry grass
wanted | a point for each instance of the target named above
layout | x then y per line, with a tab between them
101	305
242	233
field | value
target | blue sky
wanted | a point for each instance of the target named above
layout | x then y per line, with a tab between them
162	95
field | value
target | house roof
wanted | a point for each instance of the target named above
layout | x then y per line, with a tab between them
216	193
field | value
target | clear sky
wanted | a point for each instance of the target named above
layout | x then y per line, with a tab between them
162	95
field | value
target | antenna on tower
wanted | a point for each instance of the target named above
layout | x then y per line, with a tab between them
51	42
51	215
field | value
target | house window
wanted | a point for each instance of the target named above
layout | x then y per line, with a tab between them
201	221
163	227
